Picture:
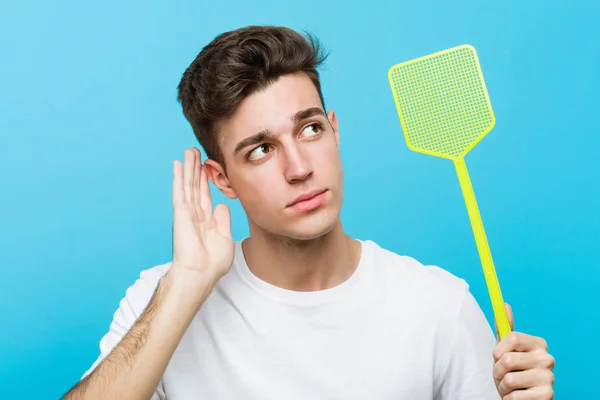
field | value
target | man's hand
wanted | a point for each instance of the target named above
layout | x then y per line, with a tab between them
203	248
522	366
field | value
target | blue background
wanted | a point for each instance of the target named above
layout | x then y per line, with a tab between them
89	125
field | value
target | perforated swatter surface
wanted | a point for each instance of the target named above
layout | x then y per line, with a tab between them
442	102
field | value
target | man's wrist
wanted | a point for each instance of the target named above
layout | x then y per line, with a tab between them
187	290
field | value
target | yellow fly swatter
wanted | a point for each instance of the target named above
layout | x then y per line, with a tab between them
445	110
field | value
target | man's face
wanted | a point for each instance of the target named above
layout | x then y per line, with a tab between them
283	160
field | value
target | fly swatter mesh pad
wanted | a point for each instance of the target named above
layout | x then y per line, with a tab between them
442	101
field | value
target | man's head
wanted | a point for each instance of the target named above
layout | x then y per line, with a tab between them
254	101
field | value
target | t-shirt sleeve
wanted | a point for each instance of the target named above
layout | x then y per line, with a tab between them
469	372
130	308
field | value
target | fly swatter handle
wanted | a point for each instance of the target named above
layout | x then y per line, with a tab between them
483	248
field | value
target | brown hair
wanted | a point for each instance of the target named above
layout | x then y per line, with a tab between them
237	64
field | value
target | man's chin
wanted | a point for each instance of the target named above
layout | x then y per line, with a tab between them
311	229
302	228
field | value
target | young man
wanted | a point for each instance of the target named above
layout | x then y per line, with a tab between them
298	310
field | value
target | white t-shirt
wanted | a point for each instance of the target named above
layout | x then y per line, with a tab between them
396	329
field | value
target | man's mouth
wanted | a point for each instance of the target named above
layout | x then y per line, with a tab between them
308	201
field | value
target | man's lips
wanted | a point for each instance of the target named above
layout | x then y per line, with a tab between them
309	202
306	196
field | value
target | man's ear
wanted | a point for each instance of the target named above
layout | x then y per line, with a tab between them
333	121
216	174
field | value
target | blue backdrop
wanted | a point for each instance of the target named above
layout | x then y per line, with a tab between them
89	125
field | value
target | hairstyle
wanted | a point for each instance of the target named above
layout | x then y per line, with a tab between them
235	65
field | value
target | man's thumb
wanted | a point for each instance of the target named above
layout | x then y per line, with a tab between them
511	319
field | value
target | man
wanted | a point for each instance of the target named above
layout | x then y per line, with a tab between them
298	310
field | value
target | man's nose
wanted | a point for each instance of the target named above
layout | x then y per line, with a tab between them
297	166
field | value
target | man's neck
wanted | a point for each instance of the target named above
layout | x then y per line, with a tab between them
302	265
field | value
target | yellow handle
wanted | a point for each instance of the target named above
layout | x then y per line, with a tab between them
483	248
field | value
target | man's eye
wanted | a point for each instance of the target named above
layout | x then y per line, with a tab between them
312	129
259	152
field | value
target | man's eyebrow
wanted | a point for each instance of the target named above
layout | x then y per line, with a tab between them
252	140
266	134
307	113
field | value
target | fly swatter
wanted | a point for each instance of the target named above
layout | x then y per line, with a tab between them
445	110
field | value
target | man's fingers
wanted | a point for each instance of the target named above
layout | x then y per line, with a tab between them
517	361
178	194
197	177
517	341
524	380
535	393
205	198
188	175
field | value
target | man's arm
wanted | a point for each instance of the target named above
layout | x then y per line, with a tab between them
203	252
135	366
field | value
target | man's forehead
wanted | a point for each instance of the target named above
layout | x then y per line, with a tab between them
279	100
272	108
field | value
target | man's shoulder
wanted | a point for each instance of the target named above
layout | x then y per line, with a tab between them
407	271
